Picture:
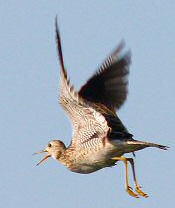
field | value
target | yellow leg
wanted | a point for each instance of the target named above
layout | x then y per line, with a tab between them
128	188
137	187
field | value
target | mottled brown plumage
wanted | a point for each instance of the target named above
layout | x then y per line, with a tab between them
99	137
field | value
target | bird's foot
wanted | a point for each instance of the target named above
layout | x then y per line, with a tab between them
140	192
131	193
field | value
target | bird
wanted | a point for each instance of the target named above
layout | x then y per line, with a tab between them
99	138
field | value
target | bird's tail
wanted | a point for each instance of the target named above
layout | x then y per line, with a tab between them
141	145
158	146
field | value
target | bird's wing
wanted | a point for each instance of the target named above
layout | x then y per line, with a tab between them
88	125
108	85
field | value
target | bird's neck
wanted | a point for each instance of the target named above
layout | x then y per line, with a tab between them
65	158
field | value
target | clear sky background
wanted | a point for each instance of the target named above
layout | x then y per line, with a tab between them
30	115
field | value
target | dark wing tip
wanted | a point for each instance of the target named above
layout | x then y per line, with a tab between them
119	56
108	85
59	48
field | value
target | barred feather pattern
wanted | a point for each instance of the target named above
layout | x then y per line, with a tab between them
85	120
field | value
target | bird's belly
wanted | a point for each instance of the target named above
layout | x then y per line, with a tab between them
96	160
84	169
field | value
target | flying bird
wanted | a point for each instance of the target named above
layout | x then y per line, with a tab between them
99	137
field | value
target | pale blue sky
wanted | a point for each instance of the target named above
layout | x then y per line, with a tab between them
30	115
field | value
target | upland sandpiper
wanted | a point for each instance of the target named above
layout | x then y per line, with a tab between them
99	137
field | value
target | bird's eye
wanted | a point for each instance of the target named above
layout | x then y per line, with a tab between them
49	145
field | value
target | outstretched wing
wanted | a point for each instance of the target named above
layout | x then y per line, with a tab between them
89	126
108	85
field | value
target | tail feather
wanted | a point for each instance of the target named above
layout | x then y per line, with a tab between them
158	146
146	144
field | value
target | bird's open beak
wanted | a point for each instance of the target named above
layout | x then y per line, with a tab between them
45	158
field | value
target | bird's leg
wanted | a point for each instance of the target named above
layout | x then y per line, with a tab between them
137	187
128	188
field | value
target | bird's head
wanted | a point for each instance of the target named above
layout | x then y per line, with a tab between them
55	149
